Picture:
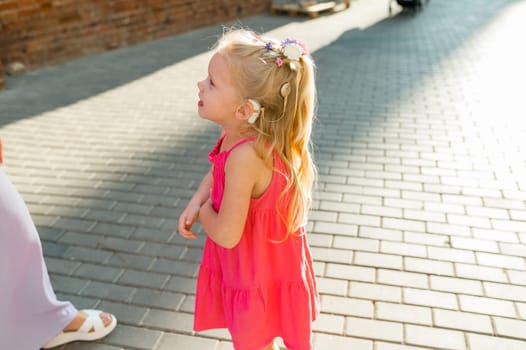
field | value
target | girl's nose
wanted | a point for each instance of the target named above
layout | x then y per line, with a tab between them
200	85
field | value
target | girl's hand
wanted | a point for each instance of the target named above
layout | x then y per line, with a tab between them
187	219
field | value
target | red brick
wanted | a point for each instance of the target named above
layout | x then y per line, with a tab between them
6	6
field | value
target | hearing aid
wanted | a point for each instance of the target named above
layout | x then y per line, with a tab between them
257	109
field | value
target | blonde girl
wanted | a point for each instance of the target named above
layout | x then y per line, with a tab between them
256	276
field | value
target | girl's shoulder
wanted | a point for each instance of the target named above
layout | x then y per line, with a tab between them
245	154
244	164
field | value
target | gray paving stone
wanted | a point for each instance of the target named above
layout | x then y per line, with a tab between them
117	230
115	244
98	272
152	235
174	341
403	313
169	320
80	302
435	337
139	262
73	224
402	278
391	346
66	284
134	337
375	292
175	267
60	266
74	238
347	306
145	279
104	215
456	285
192	254
158	299
484	342
87	254
181	285
328	341
170	251
351	272
463	321
329	323
107	291
48	235
90	346
429	266
332	286
129	314
505	291
333	255
366	327
142	220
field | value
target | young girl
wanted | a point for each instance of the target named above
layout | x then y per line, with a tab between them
256	277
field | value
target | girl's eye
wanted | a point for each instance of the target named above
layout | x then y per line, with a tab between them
212	83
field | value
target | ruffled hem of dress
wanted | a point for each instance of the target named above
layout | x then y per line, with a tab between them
256	313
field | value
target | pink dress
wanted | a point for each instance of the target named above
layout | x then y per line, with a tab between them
259	289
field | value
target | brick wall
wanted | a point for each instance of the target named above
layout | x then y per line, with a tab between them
40	32
1	76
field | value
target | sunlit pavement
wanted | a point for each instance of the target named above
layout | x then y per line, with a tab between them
419	223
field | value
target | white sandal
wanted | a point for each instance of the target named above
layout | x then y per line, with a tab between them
85	332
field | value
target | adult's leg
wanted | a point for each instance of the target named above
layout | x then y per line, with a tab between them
31	313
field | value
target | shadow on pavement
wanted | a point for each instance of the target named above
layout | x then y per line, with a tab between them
366	75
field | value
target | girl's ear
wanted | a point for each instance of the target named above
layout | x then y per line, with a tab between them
245	110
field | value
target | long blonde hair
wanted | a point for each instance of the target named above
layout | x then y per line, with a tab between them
285	88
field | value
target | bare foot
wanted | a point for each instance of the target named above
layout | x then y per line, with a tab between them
81	317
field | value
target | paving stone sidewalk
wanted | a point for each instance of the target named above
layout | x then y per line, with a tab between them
419	225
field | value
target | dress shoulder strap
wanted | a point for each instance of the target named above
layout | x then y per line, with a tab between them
248	139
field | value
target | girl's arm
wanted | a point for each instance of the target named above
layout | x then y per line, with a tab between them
242	170
191	213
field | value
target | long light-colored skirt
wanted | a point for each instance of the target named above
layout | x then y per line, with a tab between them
30	314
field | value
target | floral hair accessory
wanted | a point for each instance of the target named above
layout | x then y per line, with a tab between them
294	42
289	50
294	65
293	49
